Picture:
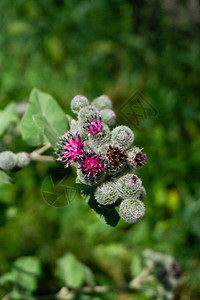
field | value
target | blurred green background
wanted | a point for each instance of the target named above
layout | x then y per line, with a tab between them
117	48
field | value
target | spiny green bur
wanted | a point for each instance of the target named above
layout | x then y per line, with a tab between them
129	186
108	116
78	102
131	210
7	160
122	136
102	102
106	193
22	159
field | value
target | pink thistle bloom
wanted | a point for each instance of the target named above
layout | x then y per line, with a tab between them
91	164
94	126
70	148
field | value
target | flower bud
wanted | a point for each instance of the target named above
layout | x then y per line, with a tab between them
78	102
106	193
102	102
22	159
77	126
123	136
83	178
129	186
7	160
115	160
108	116
131	210
136	158
100	138
87	113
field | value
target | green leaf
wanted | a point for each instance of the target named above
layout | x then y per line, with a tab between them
107	215
5	178
69	118
88	275
24	273
7	278
70	271
44	120
27	270
8	116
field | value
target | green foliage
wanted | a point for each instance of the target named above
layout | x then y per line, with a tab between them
44	118
5	178
23	275
8	116
107	215
117	48
72	273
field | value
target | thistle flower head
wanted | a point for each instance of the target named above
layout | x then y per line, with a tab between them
136	158
140	159
116	156
101	138
87	112
70	148
94	126
91	164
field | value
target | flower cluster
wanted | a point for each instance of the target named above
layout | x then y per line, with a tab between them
104	157
165	271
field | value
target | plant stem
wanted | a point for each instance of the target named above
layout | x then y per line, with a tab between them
36	154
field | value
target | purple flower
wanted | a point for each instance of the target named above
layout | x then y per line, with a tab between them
116	156
70	148
91	164
94	126
140	159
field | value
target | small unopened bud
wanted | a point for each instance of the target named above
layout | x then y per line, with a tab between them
102	102
87	113
7	160
77	126
131	210
108	116
123	136
129	186
106	193
78	102
22	159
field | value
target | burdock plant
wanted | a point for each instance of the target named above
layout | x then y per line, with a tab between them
105	159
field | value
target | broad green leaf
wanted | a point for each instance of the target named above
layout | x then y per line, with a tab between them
108	215
48	130
8	116
26	271
7	277
44	120
5	178
69	118
70	271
